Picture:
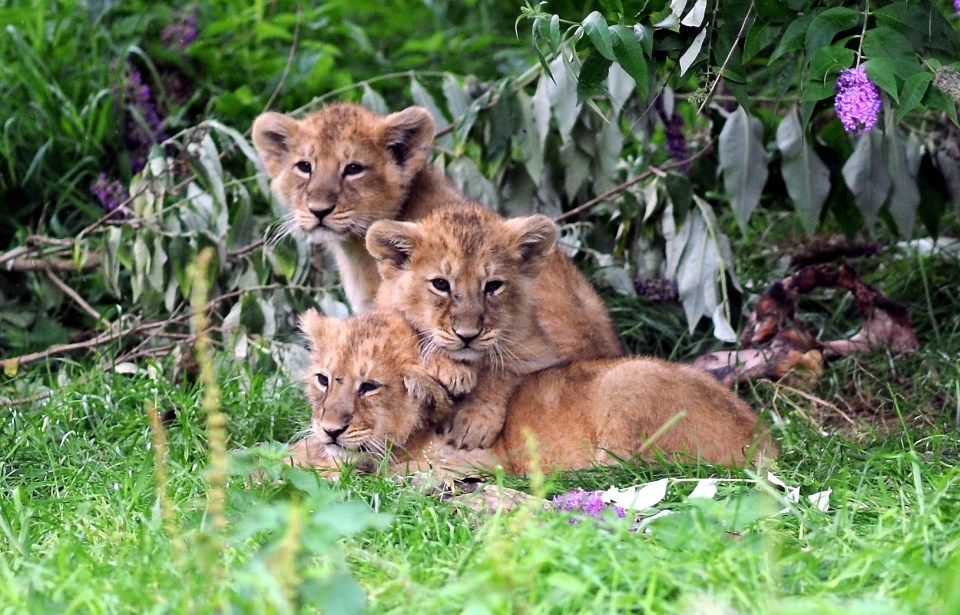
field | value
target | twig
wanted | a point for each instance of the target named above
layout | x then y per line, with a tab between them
233	255
107	337
76	298
733	45
816	400
606	196
286	67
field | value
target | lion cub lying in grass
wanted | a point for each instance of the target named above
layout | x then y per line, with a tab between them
374	403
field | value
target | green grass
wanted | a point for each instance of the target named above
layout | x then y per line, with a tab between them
82	529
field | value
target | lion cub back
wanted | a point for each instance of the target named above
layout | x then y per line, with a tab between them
582	413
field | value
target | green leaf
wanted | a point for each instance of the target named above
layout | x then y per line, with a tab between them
629	55
825	27
880	71
794	36
913	90
828	61
806	177
865	173
592	75
892	46
922	23
759	38
743	162
599	33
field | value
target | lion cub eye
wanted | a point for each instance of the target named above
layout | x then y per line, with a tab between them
323	382
354	168
304	167
440	285
492	286
367	387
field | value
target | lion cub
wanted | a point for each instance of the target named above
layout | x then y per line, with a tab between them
372	401
493	301
342	168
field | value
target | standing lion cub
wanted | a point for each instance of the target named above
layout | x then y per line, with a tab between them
373	402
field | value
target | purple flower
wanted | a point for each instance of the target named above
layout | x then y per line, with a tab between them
109	192
142	126
673	130
589	503
182	32
857	101
661	291
956	5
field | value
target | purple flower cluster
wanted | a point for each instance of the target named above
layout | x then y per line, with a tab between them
673	130
956	5
142	127
589	503
661	291
857	101
182	32
111	193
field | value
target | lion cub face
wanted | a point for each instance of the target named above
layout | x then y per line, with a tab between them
365	384
343	167
463	277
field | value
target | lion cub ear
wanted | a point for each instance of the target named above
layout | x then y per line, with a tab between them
391	243
408	135
536	236
426	392
272	134
315	327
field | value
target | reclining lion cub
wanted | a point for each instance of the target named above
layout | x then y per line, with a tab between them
342	168
372	399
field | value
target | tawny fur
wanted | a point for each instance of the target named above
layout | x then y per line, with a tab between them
541	312
579	415
308	160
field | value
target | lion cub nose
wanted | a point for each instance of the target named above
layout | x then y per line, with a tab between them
467	336
320	214
335	432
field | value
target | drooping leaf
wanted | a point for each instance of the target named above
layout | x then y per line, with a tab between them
806	177
457	99
423	98
694	18
620	86
562	93
743	162
865	173
690	55
592	75
629	54
373	101
903	164
599	34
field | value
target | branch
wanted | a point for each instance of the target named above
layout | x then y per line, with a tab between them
67	265
612	192
13	363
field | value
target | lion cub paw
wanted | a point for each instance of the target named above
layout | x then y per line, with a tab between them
473	425
458	379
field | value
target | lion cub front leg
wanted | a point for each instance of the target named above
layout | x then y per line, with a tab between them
476	421
457	379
